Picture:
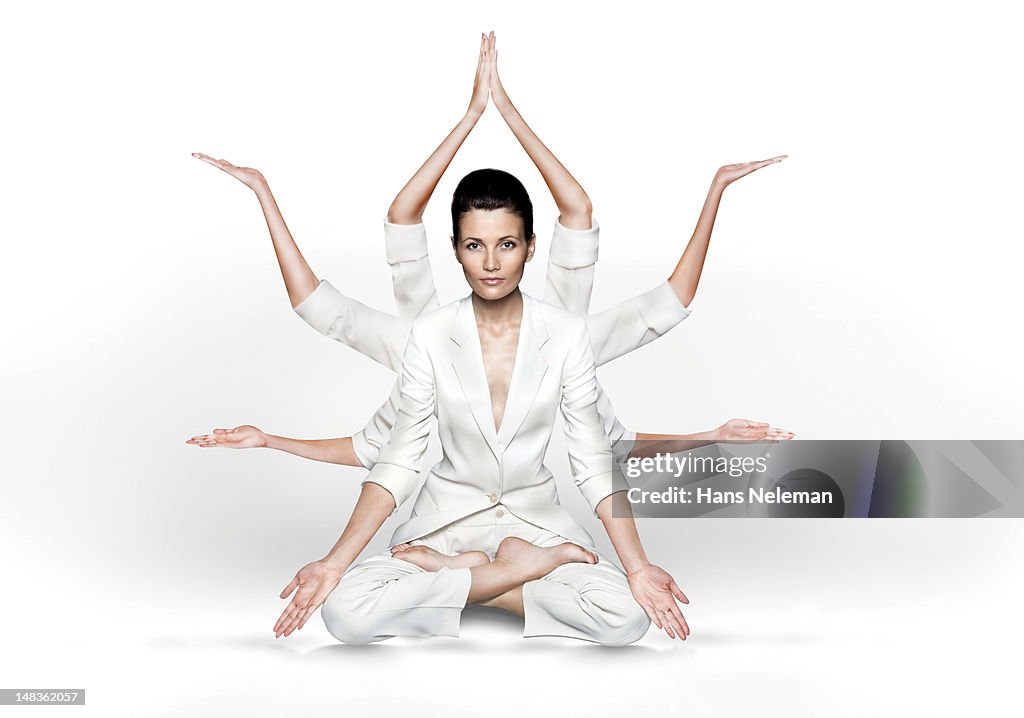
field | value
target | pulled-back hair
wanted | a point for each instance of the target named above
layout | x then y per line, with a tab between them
489	190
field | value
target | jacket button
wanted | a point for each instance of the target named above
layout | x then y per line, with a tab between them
499	513
493	498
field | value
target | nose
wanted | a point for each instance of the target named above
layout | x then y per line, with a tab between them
491	263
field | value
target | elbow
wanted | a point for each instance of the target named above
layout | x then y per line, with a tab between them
403	215
577	214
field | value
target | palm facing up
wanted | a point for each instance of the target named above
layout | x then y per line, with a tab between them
251	178
241	437
314	582
745	430
727	174
656	592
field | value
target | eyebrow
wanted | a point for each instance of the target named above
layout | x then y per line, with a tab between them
477	239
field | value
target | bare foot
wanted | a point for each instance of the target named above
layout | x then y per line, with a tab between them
535	561
430	560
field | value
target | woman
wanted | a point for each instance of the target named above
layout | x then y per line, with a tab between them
486	526
569	281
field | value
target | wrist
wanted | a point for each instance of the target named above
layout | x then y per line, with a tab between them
635	566
337	561
262	190
269	441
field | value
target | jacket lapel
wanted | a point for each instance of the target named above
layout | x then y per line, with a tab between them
528	372
468	362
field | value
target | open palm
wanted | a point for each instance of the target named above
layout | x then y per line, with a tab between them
656	592
241	437
314	582
727	174
251	178
746	430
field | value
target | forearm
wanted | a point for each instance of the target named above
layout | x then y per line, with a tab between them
299	280
686	275
617	516
331	451
574	205
375	504
409	204
652	444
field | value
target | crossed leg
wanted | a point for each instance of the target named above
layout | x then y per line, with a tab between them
420	589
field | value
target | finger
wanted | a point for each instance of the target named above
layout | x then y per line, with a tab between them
297	617
678	622
678	593
286	591
653	614
292	622
309	612
283	619
666	620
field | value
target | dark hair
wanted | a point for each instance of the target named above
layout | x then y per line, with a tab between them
490	190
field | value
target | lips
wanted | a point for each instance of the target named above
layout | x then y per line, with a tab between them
492	281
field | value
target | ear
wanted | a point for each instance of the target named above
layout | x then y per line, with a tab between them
455	248
531	246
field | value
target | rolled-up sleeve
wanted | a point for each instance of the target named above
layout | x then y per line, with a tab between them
368	441
590	455
398	464
570	277
376	334
635	322
406	248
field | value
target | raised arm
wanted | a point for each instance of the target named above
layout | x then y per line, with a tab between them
574	205
299	280
405	240
686	275
411	201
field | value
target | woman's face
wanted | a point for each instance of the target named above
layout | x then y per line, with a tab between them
492	251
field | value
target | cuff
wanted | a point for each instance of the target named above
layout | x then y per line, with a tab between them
621	447
399	481
599	487
404	242
574	248
323	307
661	308
364	450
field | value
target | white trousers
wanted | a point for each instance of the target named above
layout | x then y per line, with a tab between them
381	596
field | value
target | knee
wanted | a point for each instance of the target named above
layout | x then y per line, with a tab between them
629	625
345	621
623	620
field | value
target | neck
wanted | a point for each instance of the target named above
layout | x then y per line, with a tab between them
507	310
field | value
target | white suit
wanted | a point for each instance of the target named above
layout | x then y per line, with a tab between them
569	283
490	484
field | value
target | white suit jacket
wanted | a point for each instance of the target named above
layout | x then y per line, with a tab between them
443	376
569	283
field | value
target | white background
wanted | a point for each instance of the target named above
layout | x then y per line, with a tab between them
867	287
